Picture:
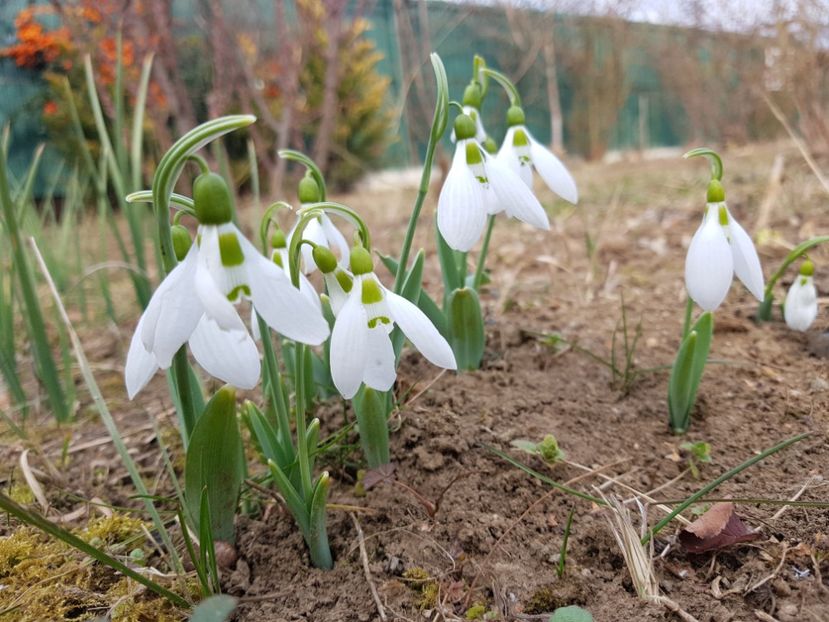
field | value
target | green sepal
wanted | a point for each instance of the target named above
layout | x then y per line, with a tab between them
466	328
687	371
215	461
372	411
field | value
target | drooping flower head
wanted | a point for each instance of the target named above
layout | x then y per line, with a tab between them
719	249
522	153
320	231
800	309
195	302
338	280
471	105
476	186
361	347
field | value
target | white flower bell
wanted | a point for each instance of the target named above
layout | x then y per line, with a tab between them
478	185
520	152
719	249
194	303
361	349
320	231
800	309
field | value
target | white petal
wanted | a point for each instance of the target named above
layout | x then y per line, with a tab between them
801	308
746	262
462	209
215	303
509	157
553	172
349	346
516	198
283	307
178	313
230	356
336	294
420	331
141	364
709	267
306	288
180	277
336	240
379	373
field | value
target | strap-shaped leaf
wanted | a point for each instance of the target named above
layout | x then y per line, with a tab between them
215	461
687	371
466	328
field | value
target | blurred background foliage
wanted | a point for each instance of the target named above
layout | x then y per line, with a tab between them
348	81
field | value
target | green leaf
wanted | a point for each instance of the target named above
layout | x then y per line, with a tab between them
214	609
215	461
412	286
571	614
372	422
687	371
448	265
436	316
466	328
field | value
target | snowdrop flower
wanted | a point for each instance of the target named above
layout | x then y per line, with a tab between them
279	255
321	231
472	108
521	153
361	348
719	249
338	280
479	185
194	303
800	309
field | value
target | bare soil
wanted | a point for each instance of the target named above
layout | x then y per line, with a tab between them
496	535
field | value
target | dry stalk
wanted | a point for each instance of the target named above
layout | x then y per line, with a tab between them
638	558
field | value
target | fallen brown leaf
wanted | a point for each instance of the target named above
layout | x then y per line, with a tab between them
718	528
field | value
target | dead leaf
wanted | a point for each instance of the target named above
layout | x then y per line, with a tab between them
718	528
379	475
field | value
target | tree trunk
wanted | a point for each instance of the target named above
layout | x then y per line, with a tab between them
328	112
553	95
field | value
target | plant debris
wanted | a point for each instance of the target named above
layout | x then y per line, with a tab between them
718	528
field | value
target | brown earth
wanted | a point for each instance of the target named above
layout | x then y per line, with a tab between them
497	533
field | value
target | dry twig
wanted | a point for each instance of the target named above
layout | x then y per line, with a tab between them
366	569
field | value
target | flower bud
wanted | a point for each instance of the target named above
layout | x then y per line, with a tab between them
309	190
324	258
465	127
361	262
181	241
278	239
515	116
472	95
212	200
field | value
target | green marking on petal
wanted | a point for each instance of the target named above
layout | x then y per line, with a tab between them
230	250
473	153
804	280
380	319
723	216
233	296
277	259
371	292
345	281
519	138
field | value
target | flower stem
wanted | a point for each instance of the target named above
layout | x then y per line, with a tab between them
689	310
479	269
438	126
301	424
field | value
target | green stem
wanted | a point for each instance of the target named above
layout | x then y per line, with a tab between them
506	83
479	269
438	126
689	310
721	479
181	378
301	424
275	386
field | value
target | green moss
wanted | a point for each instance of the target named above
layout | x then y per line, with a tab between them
542	601
422	582
475	612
